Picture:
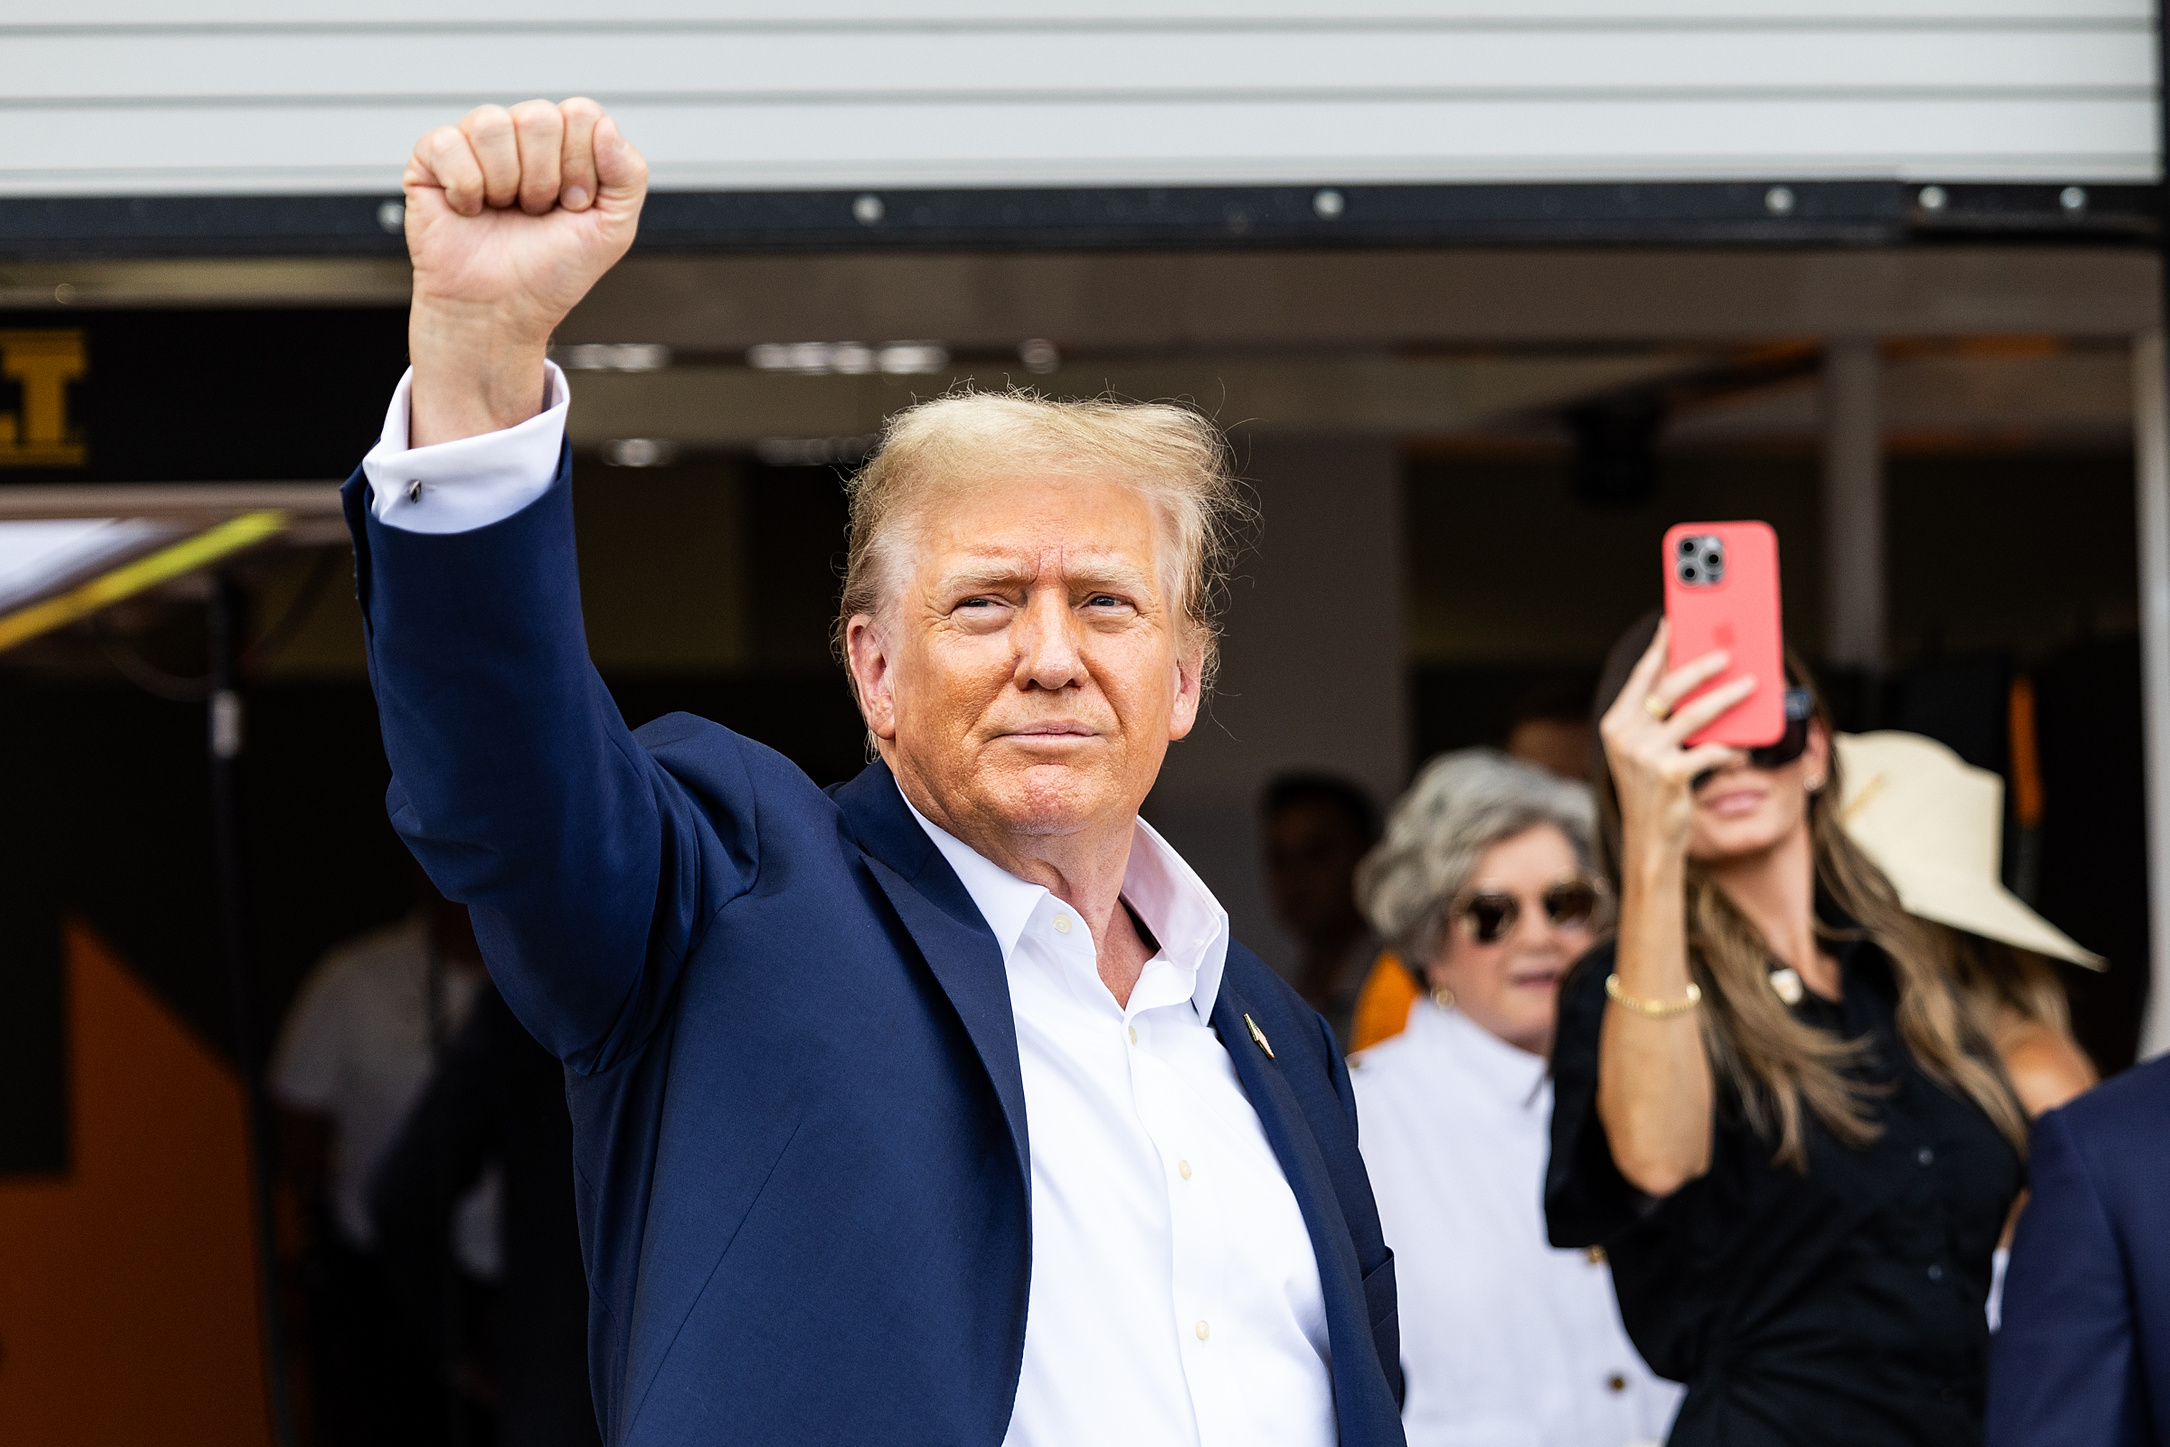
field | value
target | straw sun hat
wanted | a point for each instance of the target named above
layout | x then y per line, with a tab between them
1934	824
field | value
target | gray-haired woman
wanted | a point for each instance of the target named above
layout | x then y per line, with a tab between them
1485	884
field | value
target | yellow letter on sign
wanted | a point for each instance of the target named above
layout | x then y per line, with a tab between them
43	363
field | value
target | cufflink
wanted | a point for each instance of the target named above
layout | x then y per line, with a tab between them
414	490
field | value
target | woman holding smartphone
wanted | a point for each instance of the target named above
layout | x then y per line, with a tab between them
1773	1111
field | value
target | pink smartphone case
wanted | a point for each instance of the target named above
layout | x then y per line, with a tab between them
1739	613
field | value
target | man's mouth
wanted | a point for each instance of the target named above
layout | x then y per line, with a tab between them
1055	729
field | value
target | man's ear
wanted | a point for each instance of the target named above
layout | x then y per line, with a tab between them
1190	666
871	675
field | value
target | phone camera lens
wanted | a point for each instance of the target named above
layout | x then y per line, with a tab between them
1687	547
1712	560
1688	573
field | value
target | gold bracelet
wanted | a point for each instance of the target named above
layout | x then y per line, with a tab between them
1653	1009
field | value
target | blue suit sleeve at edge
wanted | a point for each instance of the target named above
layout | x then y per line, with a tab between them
2061	1367
517	784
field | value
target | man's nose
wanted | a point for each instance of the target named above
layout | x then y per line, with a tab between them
1048	652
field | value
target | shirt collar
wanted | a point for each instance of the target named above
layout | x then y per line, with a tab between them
1174	902
1512	1075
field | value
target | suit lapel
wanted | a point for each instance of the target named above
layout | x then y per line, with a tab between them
1348	1322
943	921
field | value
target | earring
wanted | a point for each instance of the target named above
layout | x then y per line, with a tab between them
1442	997
1814	784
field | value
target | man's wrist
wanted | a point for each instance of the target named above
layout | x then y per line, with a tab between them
475	371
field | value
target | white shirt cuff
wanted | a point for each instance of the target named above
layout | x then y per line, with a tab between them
456	487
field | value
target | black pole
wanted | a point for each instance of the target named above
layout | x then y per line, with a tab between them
237	942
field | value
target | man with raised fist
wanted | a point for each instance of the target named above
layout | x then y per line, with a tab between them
935	1108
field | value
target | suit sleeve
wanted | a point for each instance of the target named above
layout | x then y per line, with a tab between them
586	867
2061	1366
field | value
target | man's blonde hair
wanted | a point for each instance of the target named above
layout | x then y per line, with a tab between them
1173	455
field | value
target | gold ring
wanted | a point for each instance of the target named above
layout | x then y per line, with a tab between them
1655	709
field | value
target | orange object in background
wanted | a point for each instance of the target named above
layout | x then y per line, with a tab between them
128	1290
1382	1006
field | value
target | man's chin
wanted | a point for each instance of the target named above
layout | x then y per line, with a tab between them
1045	798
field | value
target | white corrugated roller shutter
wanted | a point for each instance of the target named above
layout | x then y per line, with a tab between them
135	97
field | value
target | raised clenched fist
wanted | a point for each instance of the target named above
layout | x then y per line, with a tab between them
511	217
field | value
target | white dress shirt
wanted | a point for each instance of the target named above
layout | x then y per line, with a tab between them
1175	1299
1506	1342
358	1046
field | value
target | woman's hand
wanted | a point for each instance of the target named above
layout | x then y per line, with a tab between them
1654	1088
1653	769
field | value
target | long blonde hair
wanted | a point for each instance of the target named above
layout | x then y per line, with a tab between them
1772	1063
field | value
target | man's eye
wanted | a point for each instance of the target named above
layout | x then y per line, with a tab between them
1103	600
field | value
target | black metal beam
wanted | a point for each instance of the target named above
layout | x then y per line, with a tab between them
1731	213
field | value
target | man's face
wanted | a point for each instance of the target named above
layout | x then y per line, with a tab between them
1311	856
1030	670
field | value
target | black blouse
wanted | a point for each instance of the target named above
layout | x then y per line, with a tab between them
1841	1307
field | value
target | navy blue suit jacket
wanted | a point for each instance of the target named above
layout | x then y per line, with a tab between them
2083	1357
799	1121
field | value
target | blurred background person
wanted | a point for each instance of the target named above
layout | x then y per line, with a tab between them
351	1058
1934	824
1486	875
496	1102
1316	829
1550	727
1773	1108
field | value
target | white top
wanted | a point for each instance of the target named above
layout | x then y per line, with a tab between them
1174	1298
356	1047
1505	1341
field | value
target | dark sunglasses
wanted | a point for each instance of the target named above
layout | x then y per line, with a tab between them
1800	705
1493	916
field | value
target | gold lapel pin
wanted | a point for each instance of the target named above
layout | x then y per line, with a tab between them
1258	1035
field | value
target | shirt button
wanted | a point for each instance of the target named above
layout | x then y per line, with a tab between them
1926	1156
1936	1271
1203	1331
1133	1034
1616	1383
1183	1169
1062	924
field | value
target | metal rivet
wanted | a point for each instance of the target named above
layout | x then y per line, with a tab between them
392	216
868	209
64	293
1936	1272
1778	200
1932	198
1328	203
1926	1156
2073	198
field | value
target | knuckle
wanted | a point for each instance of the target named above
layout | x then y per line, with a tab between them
581	108
486	120
530	116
